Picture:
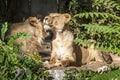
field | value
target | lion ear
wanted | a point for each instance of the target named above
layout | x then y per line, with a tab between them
67	17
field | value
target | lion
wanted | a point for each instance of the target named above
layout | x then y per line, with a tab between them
64	52
32	26
62	42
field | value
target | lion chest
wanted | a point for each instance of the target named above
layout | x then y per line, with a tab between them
59	45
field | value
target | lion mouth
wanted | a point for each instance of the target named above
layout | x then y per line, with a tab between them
47	27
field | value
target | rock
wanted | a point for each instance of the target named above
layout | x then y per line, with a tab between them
57	74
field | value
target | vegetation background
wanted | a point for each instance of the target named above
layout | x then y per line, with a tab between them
97	22
93	22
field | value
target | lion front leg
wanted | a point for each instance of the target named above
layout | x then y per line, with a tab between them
53	58
67	61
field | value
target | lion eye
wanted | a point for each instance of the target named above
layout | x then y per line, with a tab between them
55	23
46	18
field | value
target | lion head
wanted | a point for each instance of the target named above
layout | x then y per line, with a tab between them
32	26
56	21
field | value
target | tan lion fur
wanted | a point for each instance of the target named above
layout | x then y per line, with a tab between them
32	26
88	54
63	51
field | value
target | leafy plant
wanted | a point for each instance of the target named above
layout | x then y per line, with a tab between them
75	74
15	65
100	25
95	22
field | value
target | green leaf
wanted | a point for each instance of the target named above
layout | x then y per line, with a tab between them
3	30
17	36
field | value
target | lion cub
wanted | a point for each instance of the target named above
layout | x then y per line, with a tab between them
63	51
32	26
62	42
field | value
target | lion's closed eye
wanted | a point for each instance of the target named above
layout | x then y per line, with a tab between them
55	23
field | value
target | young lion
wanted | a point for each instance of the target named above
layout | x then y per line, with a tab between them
62	42
33	27
63	51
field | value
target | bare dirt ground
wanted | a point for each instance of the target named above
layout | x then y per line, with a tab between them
92	66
